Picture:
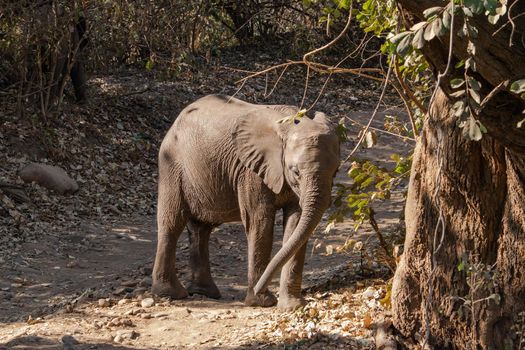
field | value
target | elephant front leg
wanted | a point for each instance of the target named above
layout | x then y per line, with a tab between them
201	280
259	231
290	296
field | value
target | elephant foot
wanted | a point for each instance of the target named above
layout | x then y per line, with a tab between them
165	289
209	290
265	299
290	303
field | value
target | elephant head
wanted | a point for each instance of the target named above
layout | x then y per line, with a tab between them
304	155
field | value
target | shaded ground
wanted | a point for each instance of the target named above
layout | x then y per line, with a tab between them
80	265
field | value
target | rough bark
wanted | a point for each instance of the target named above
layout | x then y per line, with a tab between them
479	187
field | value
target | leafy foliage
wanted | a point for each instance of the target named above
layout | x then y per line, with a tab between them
370	183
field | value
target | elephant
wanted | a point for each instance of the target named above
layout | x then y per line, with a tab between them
226	160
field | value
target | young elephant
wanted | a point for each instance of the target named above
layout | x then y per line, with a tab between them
226	160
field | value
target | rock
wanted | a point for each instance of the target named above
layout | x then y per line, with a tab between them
133	312
160	314
129	283
145	282
118	339
115	322
50	177
138	292
369	293
123	301
148	302
126	322
72	264
122	290
146	271
103	302
69	340
125	335
145	316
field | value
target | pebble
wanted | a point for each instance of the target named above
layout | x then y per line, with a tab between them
103	302
148	302
139	291
146	271
160	314
122	290
145	316
129	283
118	339
72	264
133	312
145	282
125	335
123	301
69	340
115	322
369	293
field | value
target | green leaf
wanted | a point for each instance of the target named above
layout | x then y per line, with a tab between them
521	123
437	27
418	26
518	86
474	84
458	108
149	64
419	41
371	139
467	12
472	31
404	45
474	131
292	118
475	6
490	6
344	4
471	48
398	37
493	19
475	96
482	127
446	19
456	83
341	130
461	266
496	297
458	93
429	33
470	64
432	11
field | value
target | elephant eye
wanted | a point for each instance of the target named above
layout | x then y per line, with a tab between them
295	170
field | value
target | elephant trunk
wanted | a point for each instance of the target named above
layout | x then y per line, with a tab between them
312	206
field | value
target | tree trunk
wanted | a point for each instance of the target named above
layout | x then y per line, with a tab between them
477	191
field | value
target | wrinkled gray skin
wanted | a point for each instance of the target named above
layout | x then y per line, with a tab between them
226	160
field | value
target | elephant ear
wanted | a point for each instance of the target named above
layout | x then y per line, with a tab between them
260	147
322	119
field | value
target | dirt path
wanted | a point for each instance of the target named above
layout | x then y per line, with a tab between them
59	296
75	272
89	294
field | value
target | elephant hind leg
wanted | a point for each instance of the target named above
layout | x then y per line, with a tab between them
171	221
201	279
